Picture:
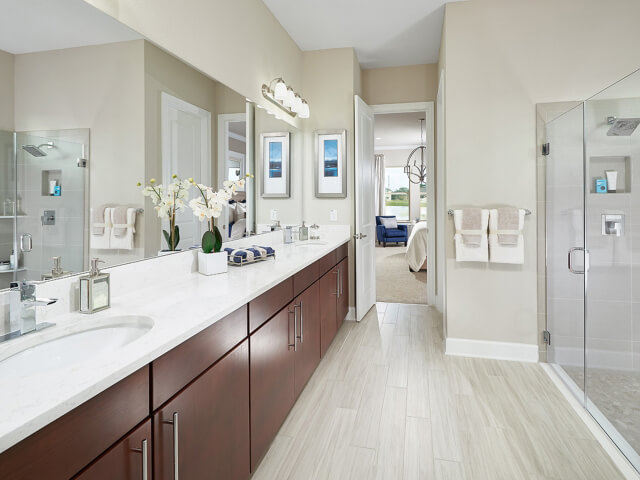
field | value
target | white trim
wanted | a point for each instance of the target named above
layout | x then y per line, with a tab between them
558	377
223	151
380	148
519	352
235	136
429	109
351	316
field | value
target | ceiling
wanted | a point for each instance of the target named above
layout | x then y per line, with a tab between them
383	33
397	130
40	25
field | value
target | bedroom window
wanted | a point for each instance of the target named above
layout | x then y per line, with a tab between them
396	193
423	201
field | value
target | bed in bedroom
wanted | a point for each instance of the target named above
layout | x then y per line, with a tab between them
417	247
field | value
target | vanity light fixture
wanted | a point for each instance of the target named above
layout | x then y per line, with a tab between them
278	93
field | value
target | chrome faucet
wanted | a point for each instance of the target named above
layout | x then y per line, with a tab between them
22	312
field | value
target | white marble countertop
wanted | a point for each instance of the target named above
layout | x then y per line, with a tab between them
181	305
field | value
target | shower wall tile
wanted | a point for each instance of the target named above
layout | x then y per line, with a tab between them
567	316
610	283
608	320
635	321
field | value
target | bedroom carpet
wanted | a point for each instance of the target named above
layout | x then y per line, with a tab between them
395	283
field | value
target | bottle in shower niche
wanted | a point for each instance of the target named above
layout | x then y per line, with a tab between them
612	180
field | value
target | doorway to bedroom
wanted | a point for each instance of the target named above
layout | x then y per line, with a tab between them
402	201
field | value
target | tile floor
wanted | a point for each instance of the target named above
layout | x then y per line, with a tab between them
385	402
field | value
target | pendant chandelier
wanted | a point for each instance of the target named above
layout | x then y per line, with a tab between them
417	172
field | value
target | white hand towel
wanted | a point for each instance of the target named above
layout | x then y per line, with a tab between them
124	242
500	253
471	253
101	241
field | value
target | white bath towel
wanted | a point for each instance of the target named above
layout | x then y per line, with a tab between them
101	241
471	253
500	253
124	242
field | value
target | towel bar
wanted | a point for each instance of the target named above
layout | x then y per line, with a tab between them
526	211
139	210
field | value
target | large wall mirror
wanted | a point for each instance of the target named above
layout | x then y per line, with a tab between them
86	112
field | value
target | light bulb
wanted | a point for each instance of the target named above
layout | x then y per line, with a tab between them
289	98
297	104
280	90
304	110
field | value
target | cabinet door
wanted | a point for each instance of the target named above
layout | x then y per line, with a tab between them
272	381
203	432
328	309
343	290
307	316
129	459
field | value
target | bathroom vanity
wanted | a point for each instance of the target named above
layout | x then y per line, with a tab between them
202	394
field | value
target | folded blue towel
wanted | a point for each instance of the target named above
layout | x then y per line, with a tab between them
250	254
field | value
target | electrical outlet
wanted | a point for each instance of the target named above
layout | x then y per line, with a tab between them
274	214
333	215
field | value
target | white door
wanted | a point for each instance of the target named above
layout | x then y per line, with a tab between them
186	152
365	209
229	127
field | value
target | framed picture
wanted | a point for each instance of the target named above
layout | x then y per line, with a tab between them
331	163
275	165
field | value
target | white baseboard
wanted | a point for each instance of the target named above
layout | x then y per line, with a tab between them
519	352
351	316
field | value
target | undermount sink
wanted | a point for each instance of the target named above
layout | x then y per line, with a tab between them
76	346
312	243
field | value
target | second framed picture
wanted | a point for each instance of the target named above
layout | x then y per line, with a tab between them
331	163
276	175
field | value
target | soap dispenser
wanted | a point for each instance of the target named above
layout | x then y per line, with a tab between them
95	294
304	232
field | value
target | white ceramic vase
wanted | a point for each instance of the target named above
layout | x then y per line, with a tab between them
212	263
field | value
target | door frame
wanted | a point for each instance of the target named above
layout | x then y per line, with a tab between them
224	119
433	289
169	103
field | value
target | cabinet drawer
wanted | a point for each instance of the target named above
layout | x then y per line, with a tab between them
326	263
342	252
124	460
305	277
176	368
62	448
269	303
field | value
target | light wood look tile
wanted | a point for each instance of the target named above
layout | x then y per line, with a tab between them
385	402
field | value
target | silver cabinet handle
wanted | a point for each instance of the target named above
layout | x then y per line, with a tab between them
340	280
337	292
295	328
301	319
570	260
145	459
29	242
176	467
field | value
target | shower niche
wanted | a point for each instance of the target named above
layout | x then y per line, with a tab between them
599	165
51	183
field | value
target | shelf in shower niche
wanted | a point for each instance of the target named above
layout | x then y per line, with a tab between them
11	216
50	178
620	163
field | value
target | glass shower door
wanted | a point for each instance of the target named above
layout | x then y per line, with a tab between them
565	246
51	216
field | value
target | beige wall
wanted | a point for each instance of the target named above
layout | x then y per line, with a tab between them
100	88
498	66
413	83
6	91
239	43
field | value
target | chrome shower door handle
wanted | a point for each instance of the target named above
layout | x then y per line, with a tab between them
570	260
28	245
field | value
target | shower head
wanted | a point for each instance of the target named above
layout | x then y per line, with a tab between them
37	151
622	127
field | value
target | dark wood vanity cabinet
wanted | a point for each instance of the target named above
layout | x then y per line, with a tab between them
328	308
203	432
343	291
272	373
210	407
129	459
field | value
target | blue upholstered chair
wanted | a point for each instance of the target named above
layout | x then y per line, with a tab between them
391	235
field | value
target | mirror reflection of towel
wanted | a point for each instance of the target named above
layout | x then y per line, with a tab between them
119	221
